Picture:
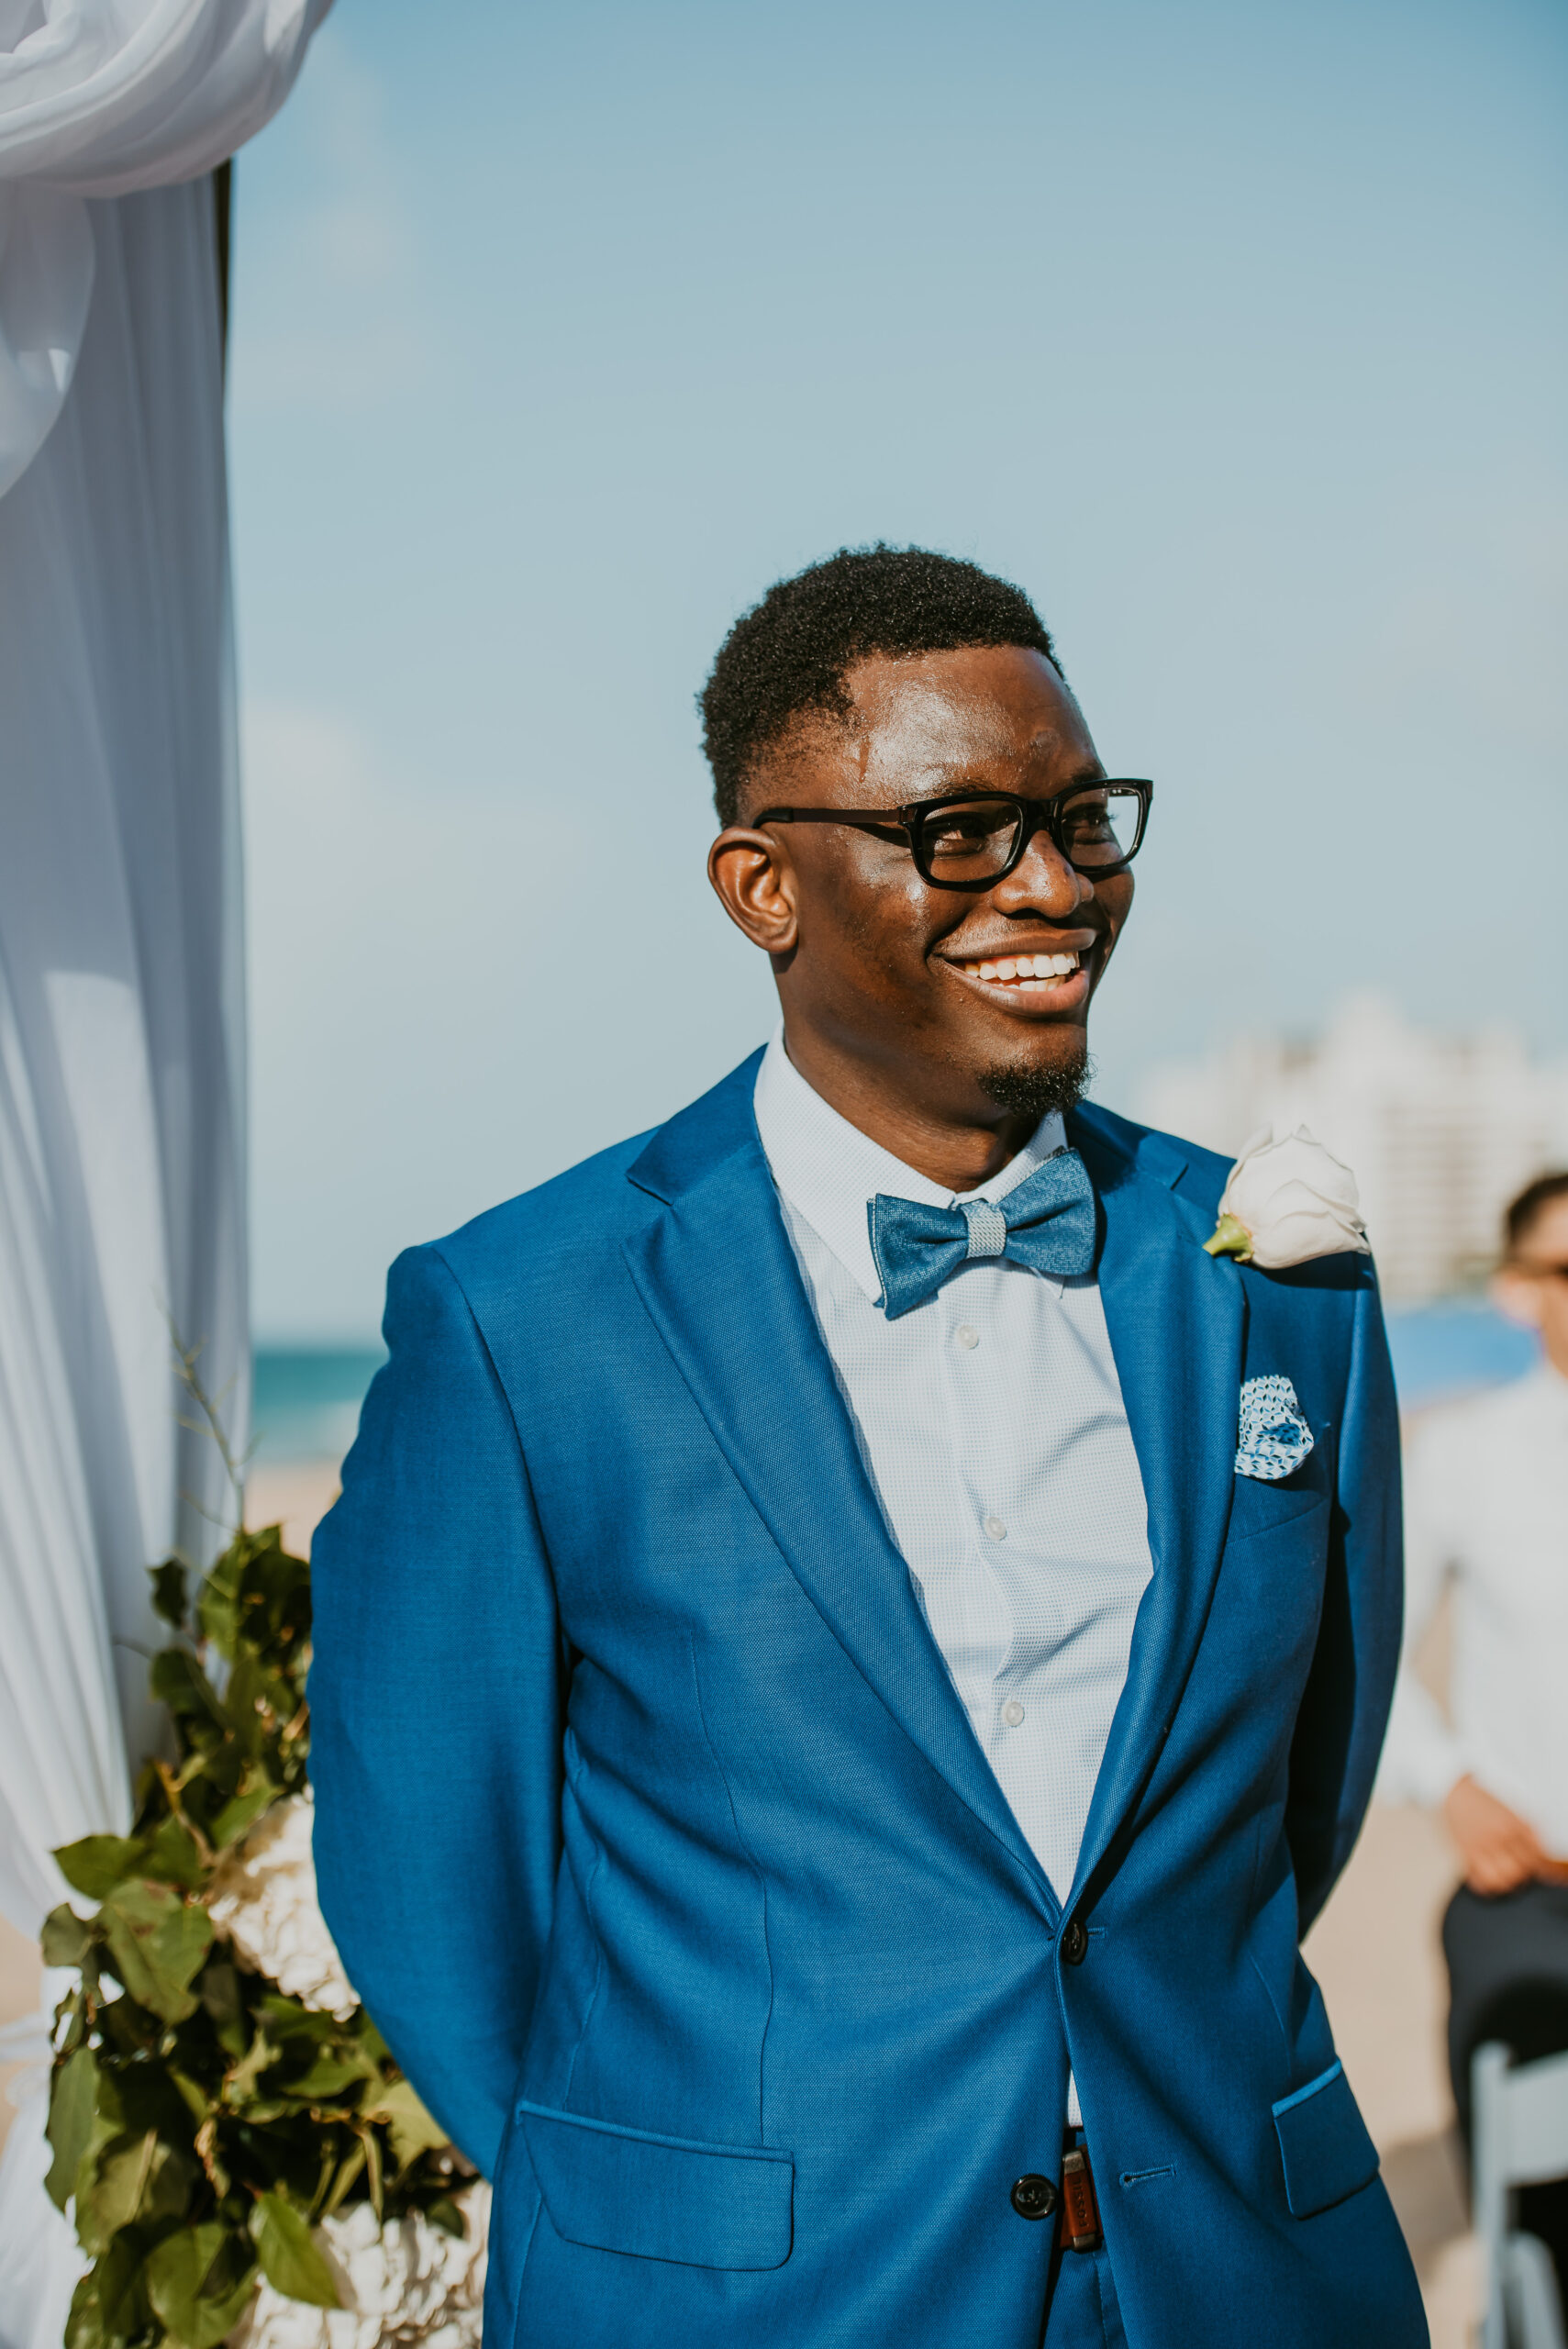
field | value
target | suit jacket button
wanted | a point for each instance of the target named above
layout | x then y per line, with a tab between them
1074	1941
1034	2197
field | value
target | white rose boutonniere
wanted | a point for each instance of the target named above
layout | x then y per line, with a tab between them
1288	1199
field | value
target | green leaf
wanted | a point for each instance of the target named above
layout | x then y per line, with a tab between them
241	2079
244	1810
191	2288
96	1864
348	2171
412	2129
192	2095
304	2031
104	2305
173	1857
220	1997
84	2323
444	2213
329	2077
372	2041
168	1593
109	2190
157	1941
74	2096
1229	1237
65	1939
136	2180
291	2260
216	1609
178	1681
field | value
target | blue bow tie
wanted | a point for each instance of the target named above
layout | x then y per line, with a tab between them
1048	1223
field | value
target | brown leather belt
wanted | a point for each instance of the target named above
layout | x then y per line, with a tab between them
1078	2227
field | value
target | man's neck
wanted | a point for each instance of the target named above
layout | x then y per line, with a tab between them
958	1151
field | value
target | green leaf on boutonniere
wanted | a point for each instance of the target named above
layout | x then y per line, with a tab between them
1229	1237
290	2256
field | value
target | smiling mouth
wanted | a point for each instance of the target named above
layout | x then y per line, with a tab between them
1030	974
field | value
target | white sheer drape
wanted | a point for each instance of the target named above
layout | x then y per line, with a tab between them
102	97
121	1035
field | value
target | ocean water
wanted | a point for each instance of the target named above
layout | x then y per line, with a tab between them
1455	1347
307	1399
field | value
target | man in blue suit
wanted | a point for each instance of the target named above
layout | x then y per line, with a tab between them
851	1648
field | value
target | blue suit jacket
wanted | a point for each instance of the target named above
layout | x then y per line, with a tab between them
657	1842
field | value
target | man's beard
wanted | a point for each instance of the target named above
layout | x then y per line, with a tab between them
1033	1093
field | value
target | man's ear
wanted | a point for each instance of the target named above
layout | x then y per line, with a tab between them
755	883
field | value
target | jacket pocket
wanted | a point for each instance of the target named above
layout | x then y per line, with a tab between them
661	2197
1323	2143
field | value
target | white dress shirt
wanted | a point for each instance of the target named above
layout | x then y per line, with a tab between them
991	1423
1486	1503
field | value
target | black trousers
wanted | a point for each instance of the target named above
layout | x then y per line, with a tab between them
1507	1970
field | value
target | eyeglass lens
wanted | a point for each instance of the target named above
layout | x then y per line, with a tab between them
970	838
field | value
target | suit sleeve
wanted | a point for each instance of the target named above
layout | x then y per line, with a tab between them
436	1696
1339	1732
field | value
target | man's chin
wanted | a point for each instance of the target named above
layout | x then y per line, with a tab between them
1032	1090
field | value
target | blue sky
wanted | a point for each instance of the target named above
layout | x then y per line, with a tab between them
1236	333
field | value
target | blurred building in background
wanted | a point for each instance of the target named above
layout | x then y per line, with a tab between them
1441	1130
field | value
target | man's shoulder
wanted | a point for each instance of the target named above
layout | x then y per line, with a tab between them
1185	1167
581	1212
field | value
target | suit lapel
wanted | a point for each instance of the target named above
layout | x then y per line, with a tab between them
1176	1318
717	1275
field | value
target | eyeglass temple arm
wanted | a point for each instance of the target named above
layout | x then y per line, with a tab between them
860	819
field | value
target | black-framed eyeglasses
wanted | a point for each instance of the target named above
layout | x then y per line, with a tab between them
972	840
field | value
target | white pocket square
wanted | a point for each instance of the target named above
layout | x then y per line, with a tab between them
1273	1437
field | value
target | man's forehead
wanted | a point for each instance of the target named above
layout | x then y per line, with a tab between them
1001	705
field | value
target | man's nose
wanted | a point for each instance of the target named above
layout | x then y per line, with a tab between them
1044	882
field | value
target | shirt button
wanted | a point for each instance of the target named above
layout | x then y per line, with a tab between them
1012	1712
966	1335
996	1529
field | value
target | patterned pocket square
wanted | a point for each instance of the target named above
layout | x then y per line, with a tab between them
1273	1437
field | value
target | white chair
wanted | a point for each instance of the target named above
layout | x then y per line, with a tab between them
1520	2138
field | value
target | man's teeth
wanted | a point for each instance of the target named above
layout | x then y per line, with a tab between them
1032	973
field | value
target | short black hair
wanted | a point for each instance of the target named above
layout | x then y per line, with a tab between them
1524	1211
789	653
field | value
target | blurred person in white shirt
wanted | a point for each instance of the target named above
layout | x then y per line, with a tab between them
1486	1513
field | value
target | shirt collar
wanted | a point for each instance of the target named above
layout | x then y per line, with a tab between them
829	1172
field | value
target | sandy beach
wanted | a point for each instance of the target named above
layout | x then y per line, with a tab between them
1374	1951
